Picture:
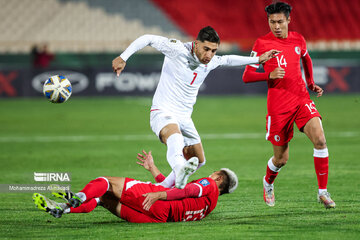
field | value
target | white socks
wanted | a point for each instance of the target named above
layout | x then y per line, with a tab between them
175	145
321	191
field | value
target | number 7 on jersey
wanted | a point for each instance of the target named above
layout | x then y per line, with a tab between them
195	75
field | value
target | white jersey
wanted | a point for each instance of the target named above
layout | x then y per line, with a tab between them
182	73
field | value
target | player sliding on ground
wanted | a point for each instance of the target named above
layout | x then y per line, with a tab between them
185	68
140	202
288	100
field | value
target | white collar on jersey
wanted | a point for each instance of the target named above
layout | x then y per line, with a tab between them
194	62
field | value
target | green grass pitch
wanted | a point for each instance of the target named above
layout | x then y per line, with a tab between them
92	137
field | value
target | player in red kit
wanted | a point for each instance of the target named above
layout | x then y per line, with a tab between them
288	100
141	202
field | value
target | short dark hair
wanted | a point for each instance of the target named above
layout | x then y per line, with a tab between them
224	186
208	34
278	7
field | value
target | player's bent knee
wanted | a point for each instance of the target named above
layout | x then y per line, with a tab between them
194	151
167	131
116	185
320	142
280	162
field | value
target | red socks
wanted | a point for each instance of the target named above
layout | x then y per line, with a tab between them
95	188
90	194
85	207
271	172
270	175
321	161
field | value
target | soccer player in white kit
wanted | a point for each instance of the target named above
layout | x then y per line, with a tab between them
185	68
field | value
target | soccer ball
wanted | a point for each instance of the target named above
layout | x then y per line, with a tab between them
57	89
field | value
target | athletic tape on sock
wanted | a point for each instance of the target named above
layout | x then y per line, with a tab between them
272	166
82	196
321	153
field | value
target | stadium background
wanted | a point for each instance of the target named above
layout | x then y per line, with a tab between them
101	127
86	35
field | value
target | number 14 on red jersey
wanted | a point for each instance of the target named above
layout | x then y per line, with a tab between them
281	61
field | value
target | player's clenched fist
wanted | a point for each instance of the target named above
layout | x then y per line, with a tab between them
317	89
118	64
277	73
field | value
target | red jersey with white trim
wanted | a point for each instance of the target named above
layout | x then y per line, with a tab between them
193	209
286	93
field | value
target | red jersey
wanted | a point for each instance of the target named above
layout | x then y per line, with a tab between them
196	201
286	93
192	209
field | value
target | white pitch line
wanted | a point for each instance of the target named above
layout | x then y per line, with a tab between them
209	136
78	138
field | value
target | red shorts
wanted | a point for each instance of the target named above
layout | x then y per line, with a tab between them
280	127
132	198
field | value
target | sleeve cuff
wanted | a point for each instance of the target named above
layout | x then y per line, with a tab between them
159	178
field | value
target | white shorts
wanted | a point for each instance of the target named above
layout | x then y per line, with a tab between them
159	119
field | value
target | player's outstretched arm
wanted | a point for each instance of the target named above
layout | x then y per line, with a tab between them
119	63
190	191
146	160
169	48
268	55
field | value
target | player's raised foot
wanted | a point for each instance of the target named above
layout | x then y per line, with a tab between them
183	172
269	196
325	199
47	205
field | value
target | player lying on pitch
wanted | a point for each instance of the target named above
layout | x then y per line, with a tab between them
143	202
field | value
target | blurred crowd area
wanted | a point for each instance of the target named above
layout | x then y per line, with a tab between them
40	38
88	26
